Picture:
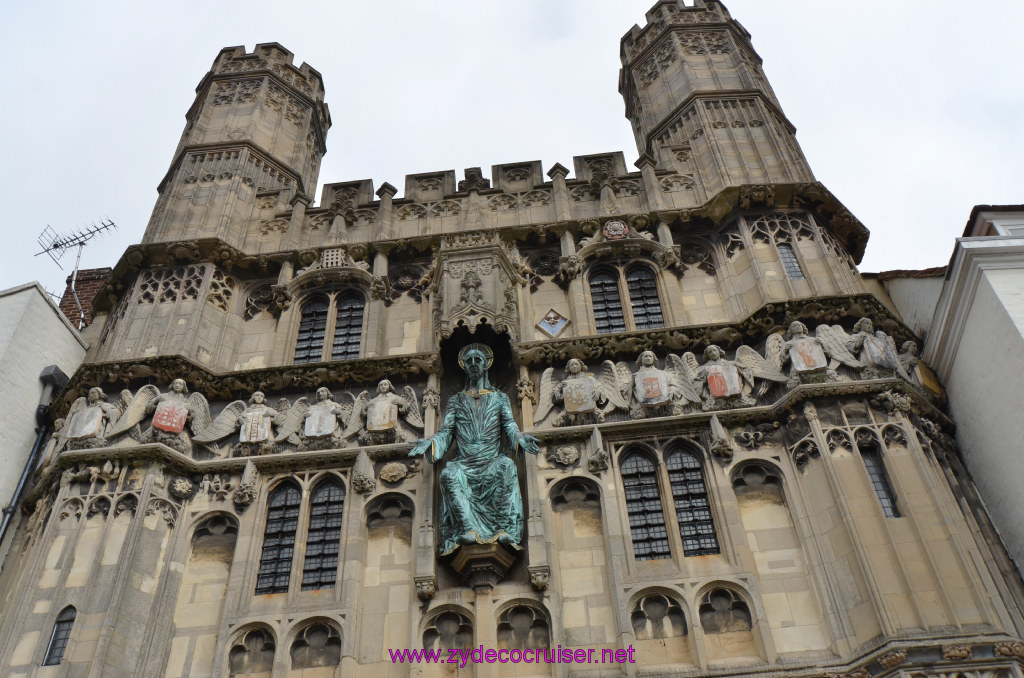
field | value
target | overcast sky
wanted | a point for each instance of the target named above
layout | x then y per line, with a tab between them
910	112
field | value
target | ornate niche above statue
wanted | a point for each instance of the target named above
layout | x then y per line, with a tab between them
478	284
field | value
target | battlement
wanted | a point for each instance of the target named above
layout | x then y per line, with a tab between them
274	58
673	13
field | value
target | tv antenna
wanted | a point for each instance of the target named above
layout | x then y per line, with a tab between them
56	246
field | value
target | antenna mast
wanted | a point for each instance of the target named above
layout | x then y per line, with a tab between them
56	246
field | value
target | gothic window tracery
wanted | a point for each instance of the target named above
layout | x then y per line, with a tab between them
872	458
658	616
252	653
447	630
523	627
338	315
651	524
625	299
317	645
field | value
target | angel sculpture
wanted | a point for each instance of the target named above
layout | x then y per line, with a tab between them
378	420
316	426
91	421
729	383
657	392
585	399
873	353
172	412
807	357
909	362
254	423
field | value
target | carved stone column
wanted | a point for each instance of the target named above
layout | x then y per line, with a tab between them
560	192
384	211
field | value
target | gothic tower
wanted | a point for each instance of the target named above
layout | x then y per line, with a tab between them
252	145
699	102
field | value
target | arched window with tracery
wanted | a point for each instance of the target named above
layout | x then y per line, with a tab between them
624	300
324	537
279	539
338	315
693	509
643	504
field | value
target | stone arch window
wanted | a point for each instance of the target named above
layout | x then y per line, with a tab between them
279	539
522	627
446	630
657	615
252	652
625	299
575	493
60	636
323	539
790	263
389	510
871	455
643	504
338	315
692	506
723	611
317	645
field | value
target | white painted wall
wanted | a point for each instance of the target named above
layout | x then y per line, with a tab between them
33	334
916	298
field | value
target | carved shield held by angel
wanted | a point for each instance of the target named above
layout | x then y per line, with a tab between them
582	397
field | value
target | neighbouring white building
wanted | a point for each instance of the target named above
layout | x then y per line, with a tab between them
34	334
974	341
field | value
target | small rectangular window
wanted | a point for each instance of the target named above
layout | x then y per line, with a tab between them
790	263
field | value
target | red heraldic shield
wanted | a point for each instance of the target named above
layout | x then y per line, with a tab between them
170	416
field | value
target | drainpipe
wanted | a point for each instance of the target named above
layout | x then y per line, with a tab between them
53	380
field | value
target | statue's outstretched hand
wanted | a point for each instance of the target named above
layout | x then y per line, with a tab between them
420	447
528	443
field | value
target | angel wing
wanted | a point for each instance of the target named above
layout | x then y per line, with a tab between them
62	433
686	376
199	408
546	400
759	366
357	417
892	355
625	380
224	425
135	411
413	415
836	341
773	351
612	387
293	419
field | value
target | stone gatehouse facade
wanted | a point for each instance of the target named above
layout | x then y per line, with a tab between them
745	469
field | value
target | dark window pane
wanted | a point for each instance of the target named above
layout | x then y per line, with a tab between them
348	327
643	504
59	639
643	297
790	263
604	293
279	540
321	566
690	496
880	481
312	328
